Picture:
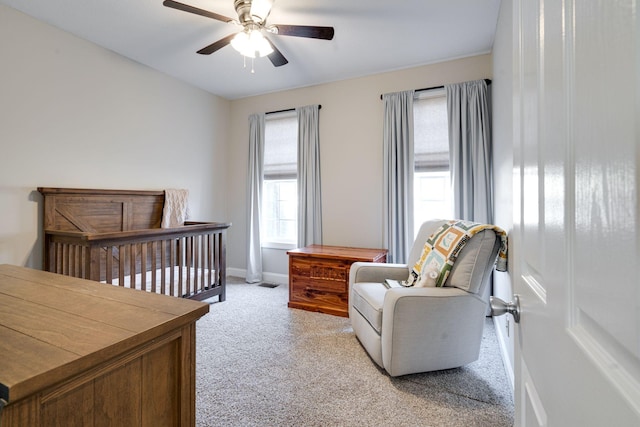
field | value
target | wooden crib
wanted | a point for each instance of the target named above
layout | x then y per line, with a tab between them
114	237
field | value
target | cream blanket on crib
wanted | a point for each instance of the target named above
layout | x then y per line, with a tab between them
176	208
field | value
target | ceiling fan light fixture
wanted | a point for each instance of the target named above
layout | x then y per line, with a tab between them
260	9
251	44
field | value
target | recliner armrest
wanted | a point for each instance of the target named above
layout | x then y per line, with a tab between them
394	294
427	297
377	272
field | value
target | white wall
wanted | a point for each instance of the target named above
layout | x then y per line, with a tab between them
351	152
73	114
503	164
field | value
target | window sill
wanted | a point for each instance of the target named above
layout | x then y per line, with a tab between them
278	245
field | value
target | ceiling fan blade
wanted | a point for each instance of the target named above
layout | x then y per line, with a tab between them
324	33
186	8
208	50
276	57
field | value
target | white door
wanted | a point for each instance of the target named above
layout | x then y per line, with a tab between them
576	237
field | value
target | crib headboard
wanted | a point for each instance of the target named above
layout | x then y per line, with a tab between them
101	211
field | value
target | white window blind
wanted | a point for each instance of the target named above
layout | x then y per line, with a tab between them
432	186
280	146
431	135
280	191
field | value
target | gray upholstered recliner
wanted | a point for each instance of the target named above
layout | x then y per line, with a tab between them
421	329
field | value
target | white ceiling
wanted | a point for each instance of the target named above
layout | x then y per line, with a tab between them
371	36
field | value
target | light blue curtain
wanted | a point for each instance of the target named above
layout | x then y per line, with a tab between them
398	174
256	172
470	150
309	188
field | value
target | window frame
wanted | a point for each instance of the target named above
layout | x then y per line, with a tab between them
274	243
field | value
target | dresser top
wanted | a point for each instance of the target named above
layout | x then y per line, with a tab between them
54	326
339	252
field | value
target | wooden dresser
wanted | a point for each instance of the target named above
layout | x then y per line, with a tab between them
319	276
79	353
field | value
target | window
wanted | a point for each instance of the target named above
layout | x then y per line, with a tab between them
432	187
279	226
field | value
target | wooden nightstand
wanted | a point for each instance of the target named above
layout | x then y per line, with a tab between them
319	276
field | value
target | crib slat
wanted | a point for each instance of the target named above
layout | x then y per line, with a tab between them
197	277
121	264
203	263
55	260
211	279
196	263
108	269
143	266
206	272
132	266
172	271
65	259
68	260
193	266
71	259
222	266
154	266
201	273
59	256
77	257
77	269
217	259
163	267
89	263
93	263
189	263
82	254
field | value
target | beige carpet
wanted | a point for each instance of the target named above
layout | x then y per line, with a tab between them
260	363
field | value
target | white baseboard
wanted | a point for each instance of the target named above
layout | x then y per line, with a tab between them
236	272
502	342
281	279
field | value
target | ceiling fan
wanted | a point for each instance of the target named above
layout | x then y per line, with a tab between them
252	17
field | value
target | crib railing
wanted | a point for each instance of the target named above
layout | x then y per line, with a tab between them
187	261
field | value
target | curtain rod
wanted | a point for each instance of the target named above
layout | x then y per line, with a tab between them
487	81
288	109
